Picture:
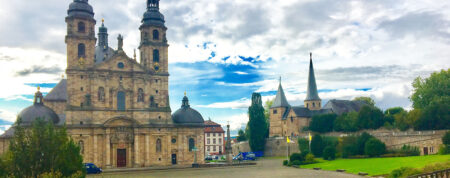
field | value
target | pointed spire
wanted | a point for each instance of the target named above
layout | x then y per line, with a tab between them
311	92
280	99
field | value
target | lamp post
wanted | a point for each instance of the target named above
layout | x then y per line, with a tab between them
195	164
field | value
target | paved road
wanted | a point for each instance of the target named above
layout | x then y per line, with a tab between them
270	168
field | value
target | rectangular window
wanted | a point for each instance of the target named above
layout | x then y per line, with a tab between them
220	134
214	134
208	141
214	148
220	149
220	140
274	111
207	134
214	141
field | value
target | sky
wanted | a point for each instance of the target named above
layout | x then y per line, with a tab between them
222	51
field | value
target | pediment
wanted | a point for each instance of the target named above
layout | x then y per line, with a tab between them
120	62
121	122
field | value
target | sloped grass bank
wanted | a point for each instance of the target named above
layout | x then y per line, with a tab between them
379	166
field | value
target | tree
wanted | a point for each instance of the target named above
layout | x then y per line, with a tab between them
241	136
43	149
322	123
317	145
374	147
436	116
401	121
446	138
370	118
368	100
348	146
257	126
347	122
267	106
361	142
329	153
303	144
389	114
434	89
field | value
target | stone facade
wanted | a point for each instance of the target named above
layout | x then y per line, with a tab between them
118	109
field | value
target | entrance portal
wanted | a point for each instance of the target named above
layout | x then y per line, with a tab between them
174	158
425	150
121	157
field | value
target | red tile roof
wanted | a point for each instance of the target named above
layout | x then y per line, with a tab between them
212	127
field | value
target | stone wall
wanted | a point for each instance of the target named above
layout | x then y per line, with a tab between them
426	141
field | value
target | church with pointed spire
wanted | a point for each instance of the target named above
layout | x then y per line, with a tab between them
287	120
116	107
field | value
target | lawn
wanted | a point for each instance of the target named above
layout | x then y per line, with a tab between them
379	166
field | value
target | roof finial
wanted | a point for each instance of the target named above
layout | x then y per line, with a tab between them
184	92
103	21
38	87
62	76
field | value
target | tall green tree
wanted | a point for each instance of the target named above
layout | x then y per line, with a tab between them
434	117
322	123
346	122
43	149
435	88
370	118
368	100
267	106
317	145
257	126
241	136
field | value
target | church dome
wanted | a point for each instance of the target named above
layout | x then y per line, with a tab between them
187	115
37	110
152	16
80	8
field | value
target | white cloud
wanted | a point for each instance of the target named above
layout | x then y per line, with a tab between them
238	121
7	115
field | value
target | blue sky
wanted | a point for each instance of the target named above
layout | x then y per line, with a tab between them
222	51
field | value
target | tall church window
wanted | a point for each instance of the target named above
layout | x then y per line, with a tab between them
155	55
152	101
121	101
158	145
101	94
155	35
191	144
140	95
81	50
81	27
314	104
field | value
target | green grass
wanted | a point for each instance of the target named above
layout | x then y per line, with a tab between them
378	166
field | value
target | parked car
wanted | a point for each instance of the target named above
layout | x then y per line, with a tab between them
91	168
209	158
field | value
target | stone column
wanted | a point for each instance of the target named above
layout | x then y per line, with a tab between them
108	149
136	151
147	148
95	149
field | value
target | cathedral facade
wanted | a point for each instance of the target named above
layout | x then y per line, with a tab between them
287	120
114	106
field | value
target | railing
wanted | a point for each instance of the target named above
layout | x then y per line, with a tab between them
437	174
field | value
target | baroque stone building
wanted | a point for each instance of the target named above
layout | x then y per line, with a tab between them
115	107
287	120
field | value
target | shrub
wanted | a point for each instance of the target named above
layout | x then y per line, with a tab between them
329	153
361	143
285	162
403	172
309	159
446	138
374	147
348	146
296	162
317	145
296	156
436	167
444	149
303	144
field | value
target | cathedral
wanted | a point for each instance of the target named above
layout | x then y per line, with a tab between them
114	106
287	120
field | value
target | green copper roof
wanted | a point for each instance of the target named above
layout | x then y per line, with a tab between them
311	93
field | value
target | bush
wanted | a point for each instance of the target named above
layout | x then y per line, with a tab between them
309	159
444	149
348	146
317	145
374	147
296	162
361	143
404	172
285	162
303	144
296	156
329	153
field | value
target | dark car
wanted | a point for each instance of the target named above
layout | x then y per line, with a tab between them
208	158
91	168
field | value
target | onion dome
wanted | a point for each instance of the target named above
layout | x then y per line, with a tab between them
187	115
37	110
80	8
152	17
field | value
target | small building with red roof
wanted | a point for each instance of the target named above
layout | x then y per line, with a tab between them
214	138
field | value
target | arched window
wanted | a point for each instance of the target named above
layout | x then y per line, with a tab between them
307	105
191	144
155	35
140	95
314	104
81	27
81	145
155	55
101	94
158	145
121	101
81	50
